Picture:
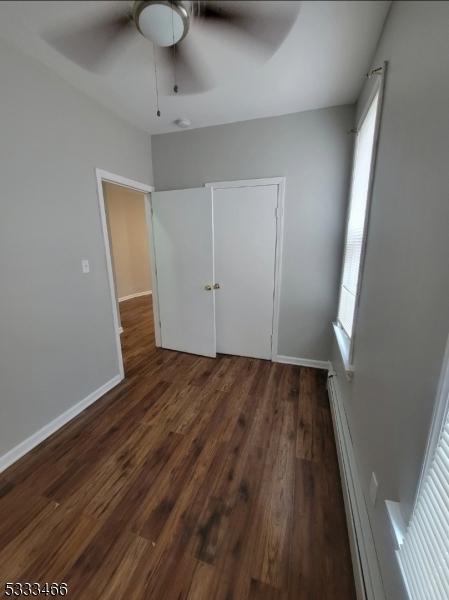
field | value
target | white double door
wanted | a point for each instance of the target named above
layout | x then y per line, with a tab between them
215	254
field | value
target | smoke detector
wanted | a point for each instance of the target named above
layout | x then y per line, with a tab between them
182	122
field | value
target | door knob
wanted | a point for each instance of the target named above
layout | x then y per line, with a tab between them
208	287
216	286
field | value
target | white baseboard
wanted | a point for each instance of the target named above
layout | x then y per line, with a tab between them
21	449
131	296
302	362
120	330
367	575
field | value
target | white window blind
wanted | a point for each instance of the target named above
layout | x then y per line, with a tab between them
363	157
424	553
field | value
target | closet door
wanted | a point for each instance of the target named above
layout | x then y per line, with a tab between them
245	255
183	242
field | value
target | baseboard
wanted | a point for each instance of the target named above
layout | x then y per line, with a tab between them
34	440
367	575
120	330
302	362
131	296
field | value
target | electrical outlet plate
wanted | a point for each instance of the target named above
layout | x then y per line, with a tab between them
373	489
85	267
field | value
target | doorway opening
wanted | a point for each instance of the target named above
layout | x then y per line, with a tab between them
125	213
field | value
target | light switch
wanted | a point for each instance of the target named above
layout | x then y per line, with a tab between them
85	265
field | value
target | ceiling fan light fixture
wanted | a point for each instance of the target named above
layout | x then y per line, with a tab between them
163	22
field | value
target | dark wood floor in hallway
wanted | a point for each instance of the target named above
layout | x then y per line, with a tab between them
195	478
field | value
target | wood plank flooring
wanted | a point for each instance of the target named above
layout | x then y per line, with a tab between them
195	479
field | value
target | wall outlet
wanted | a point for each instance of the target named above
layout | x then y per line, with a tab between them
373	488
85	265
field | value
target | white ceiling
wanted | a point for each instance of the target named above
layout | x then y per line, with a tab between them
321	63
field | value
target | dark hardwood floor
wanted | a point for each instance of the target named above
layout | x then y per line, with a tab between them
195	478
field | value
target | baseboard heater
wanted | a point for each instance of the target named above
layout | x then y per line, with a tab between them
367	576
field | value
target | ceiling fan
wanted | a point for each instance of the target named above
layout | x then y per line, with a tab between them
170	25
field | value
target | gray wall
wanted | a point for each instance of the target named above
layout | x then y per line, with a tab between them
312	149
404	318
56	330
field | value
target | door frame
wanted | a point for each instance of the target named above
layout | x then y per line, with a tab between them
280	183
107	177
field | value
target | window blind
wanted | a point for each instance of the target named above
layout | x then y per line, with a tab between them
424	553
355	233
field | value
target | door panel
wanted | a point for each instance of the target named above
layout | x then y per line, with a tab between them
182	226
245	246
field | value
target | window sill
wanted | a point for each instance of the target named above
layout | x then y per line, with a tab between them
344	345
397	522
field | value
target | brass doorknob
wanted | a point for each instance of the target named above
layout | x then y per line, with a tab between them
216	286
208	287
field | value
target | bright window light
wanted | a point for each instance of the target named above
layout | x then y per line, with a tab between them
358	205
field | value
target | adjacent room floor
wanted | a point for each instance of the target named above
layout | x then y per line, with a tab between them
194	478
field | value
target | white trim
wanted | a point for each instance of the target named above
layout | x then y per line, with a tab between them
34	440
280	182
137	295
344	345
302	362
397	523
101	176
365	564
124	181
278	257
120	330
214	303
153	265
246	182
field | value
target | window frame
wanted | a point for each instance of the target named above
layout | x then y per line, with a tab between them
345	342
439	419
398	523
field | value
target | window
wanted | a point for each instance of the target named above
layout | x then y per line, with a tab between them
424	551
356	227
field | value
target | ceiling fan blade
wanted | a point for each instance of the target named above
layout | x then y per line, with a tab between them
94	43
266	23
189	72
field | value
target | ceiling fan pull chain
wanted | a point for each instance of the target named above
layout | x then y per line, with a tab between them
158	112
175	86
